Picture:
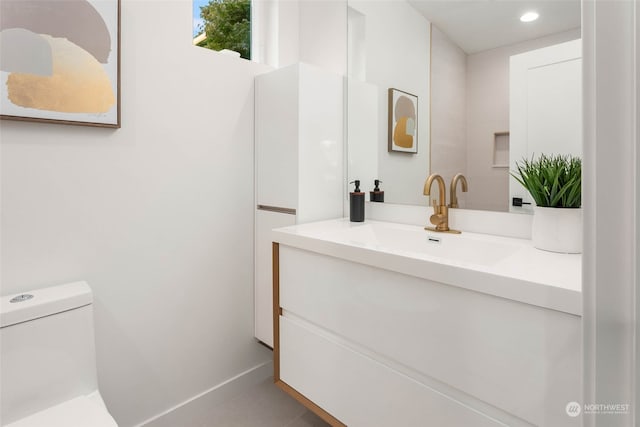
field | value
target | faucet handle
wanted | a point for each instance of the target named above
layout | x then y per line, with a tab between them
437	219
440	218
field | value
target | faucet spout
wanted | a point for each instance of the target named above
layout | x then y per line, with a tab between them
440	217
442	192
453	198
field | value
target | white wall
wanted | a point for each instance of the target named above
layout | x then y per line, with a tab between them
487	113
156	216
323	34
611	178
362	134
636	381
292	31
397	56
448	109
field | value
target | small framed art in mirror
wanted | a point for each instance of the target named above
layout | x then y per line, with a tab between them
403	121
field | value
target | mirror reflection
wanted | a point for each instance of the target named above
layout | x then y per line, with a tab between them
460	60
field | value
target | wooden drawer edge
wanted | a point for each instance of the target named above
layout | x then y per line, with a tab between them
277	311
310	405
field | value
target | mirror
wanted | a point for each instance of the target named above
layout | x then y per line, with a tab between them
454	57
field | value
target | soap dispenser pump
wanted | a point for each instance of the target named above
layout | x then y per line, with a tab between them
376	195
356	203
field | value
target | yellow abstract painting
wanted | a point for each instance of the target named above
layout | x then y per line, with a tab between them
403	121
59	61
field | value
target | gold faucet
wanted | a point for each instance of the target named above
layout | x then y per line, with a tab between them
453	198
440	217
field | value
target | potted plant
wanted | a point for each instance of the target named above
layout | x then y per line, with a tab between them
555	184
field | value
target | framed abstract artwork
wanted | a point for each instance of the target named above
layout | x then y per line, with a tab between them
403	121
60	61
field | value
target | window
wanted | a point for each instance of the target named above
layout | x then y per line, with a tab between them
223	25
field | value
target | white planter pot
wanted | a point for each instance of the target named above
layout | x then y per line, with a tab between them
557	229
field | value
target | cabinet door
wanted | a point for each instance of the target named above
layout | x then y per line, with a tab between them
263	288
358	390
320	147
276	138
475	348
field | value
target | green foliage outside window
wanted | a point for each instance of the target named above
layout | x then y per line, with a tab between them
227	24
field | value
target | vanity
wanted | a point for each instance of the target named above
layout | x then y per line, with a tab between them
384	324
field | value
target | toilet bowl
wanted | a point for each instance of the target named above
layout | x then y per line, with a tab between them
48	370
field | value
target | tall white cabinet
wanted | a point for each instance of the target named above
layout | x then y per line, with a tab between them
299	133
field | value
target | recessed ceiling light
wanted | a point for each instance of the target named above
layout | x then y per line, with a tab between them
529	17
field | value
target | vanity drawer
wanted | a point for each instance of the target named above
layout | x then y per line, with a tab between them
476	348
360	391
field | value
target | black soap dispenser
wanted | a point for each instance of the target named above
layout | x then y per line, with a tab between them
376	195
356	203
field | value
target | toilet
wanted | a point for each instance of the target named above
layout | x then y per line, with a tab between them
48	371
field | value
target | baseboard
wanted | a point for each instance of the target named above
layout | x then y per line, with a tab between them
181	414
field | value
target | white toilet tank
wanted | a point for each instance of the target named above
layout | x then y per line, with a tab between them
47	348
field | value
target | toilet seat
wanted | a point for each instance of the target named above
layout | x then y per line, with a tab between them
81	411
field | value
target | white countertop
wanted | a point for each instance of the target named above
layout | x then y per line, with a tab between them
502	266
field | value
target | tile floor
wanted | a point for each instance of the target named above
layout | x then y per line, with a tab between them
264	405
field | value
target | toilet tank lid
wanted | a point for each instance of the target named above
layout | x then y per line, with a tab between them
43	302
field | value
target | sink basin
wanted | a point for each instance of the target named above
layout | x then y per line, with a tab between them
502	266
410	240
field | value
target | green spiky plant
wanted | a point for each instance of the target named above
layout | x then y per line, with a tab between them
553	181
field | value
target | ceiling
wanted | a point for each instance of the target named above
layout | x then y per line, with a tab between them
478	25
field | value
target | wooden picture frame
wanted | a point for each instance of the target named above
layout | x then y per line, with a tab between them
61	62
403	122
